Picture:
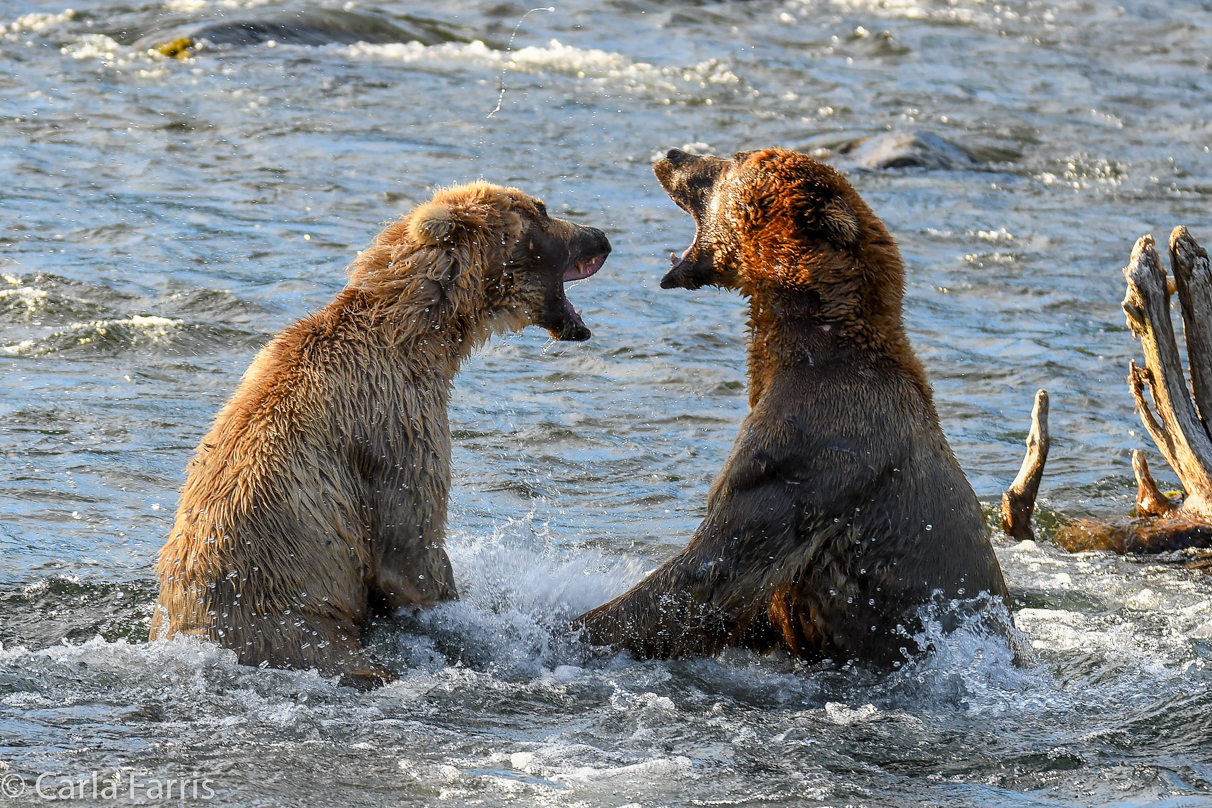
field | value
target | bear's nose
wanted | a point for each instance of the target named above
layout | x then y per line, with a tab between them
676	156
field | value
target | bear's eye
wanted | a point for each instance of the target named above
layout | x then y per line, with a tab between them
542	209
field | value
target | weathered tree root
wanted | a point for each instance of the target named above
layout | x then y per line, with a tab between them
1139	534
1018	502
1178	420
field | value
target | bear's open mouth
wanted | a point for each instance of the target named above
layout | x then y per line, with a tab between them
693	268
572	326
692	182
676	261
583	269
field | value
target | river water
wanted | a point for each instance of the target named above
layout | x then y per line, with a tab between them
161	218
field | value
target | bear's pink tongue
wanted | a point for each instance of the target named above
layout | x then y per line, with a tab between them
583	269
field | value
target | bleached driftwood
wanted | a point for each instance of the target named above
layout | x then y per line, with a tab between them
1018	502
1178	418
1174	423
1193	281
1150	501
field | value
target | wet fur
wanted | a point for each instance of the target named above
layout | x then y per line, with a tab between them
320	493
841	510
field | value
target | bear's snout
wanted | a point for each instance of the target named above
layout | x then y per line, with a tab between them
677	156
585	251
593	242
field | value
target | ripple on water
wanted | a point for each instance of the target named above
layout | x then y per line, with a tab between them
496	701
57	315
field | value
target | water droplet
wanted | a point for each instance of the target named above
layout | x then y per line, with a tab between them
929	527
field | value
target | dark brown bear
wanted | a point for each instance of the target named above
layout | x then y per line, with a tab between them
320	493
841	511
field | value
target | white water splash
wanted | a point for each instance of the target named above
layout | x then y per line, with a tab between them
508	51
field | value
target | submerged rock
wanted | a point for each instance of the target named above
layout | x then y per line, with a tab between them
902	150
301	27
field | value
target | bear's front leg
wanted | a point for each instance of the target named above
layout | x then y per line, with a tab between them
313	635
714	593
409	566
769	515
413	578
660	618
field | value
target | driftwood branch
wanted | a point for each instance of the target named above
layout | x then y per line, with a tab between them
1150	501
1180	415
1018	502
1177	428
1193	281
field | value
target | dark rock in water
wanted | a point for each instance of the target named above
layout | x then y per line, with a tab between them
902	150
301	27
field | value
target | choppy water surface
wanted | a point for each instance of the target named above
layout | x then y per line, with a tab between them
160	218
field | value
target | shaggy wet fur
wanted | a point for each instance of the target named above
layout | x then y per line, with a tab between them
841	511
320	493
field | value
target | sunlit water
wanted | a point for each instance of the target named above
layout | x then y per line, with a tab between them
159	219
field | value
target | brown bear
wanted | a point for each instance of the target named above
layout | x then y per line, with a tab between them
319	496
841	510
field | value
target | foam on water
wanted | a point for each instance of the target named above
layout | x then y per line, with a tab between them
578	726
597	67
502	645
196	6
100	46
36	22
22	296
956	12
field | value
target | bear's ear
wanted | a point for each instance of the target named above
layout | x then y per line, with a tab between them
839	222
432	224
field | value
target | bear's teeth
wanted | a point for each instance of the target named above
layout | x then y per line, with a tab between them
584	269
677	260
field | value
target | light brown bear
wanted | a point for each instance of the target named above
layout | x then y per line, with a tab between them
319	497
841	511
